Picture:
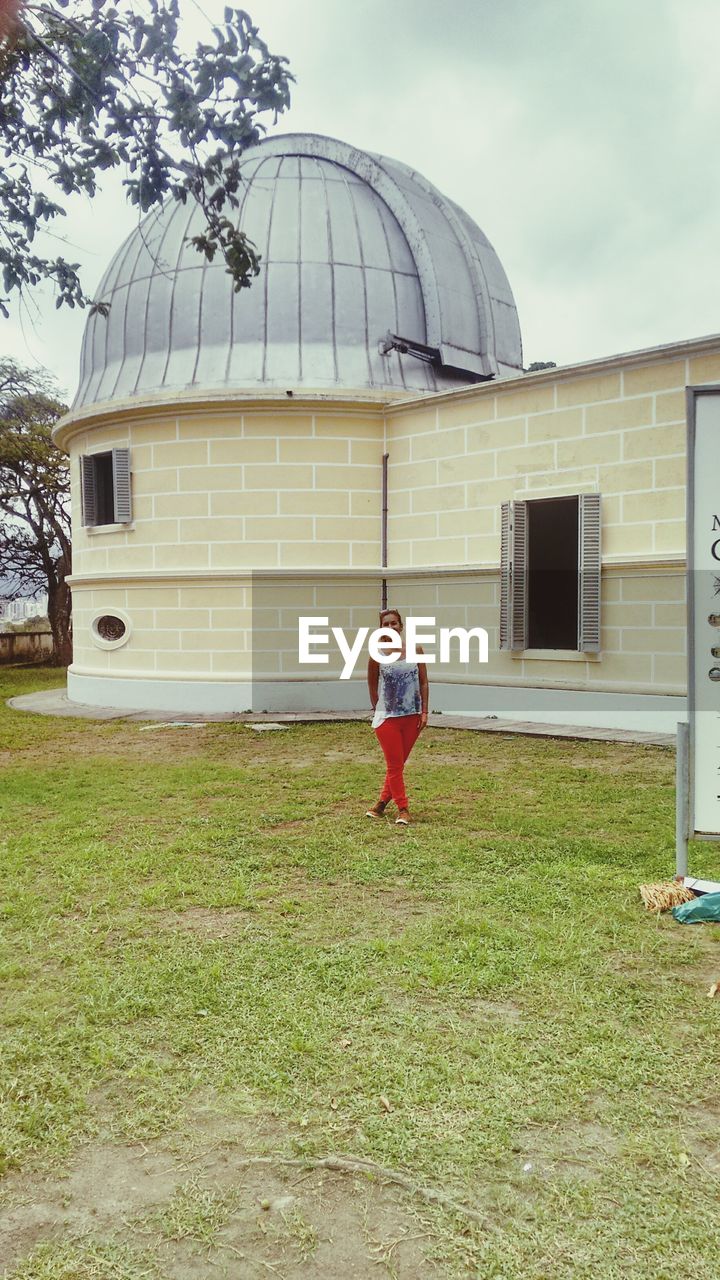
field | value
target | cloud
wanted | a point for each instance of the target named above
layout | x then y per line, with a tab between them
580	136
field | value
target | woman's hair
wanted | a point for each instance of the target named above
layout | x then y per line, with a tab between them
396	613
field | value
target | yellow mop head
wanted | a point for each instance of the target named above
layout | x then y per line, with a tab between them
661	897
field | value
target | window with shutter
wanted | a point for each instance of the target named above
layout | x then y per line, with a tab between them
589	577
121	486
505	575
513	575
519	576
550	574
105	488
87	491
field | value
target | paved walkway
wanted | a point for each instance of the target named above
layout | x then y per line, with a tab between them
54	702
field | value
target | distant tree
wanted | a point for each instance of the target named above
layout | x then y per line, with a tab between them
35	546
86	87
540	364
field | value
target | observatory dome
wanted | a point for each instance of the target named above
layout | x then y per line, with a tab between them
370	278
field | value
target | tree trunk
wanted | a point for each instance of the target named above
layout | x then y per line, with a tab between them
60	619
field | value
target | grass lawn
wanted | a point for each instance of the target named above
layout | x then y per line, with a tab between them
213	965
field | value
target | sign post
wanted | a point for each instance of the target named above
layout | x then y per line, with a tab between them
698	745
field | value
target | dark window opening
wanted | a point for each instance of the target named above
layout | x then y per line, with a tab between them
110	628
104	488
553	573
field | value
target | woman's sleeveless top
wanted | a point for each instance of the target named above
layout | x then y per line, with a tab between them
398	691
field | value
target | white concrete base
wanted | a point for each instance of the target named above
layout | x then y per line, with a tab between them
645	712
211	696
648	713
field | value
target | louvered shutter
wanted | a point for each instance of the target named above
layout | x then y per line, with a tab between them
87	491
519	576
505	576
589	573
121	486
513	575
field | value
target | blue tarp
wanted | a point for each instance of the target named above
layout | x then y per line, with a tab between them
706	907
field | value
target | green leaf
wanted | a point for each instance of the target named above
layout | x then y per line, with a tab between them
122	90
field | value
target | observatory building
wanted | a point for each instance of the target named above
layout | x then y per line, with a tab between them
354	427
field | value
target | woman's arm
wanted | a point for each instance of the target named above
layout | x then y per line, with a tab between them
373	675
424	691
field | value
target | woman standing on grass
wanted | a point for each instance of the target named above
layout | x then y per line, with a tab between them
399	697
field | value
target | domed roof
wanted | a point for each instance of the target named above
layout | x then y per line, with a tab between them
369	278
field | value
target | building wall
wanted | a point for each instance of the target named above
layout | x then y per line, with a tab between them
247	516
618	431
219	499
233	490
622	434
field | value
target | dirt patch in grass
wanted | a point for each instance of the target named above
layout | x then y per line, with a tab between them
475	1011
220	1206
327	911
350	912
700	942
126	743
294	824
698	1134
707	1152
697	946
491	1010
205	922
579	1150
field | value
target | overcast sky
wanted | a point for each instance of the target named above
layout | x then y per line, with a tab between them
580	134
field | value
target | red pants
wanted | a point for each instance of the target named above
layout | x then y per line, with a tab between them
397	737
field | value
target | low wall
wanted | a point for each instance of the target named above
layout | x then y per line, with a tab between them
25	646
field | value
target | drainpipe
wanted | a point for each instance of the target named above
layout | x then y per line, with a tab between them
384	535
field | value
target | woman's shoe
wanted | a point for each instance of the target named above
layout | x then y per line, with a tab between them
403	819
378	810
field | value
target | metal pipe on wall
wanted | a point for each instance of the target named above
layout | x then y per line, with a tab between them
384	534
682	800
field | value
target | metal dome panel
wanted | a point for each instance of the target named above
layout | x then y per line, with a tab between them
353	247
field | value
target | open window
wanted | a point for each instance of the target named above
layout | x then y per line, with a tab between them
550	574
105	487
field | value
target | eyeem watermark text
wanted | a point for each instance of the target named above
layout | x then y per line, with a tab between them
384	644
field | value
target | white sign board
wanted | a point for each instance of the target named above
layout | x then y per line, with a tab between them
704	608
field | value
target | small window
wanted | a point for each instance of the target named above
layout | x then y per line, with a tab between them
105	487
110	630
550	574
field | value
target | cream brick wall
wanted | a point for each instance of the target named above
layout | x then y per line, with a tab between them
620	433
228	495
233	490
643	631
278	604
226	492
193	629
